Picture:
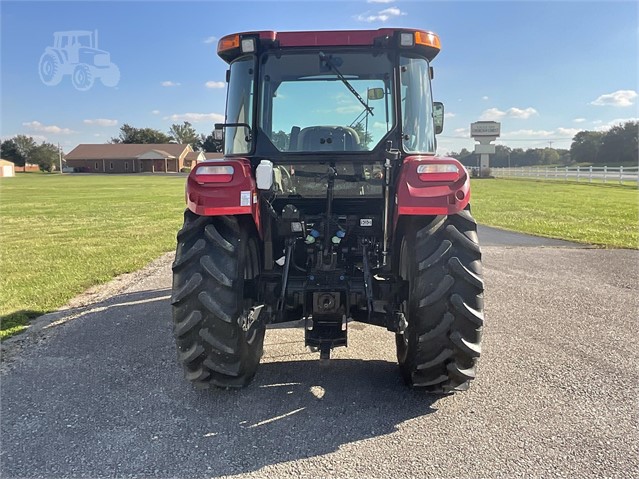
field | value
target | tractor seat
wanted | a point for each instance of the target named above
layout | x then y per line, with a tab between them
328	138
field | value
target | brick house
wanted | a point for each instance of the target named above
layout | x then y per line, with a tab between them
131	158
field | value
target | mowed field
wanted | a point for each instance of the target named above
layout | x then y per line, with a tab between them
604	215
61	234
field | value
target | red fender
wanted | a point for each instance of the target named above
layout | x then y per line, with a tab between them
224	194
443	188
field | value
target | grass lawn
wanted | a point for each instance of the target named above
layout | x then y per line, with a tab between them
60	234
596	214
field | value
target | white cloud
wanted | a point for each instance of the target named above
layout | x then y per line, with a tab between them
597	122
215	84
611	123
617	98
462	133
449	115
342	110
196	117
568	131
37	126
529	134
579	120
155	112
493	114
484	97
211	39
379	1
381	16
170	83
523	114
101	122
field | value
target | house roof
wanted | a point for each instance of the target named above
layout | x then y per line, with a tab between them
122	151
6	163
213	156
155	154
193	155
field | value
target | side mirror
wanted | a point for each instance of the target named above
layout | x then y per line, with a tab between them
218	132
375	93
438	117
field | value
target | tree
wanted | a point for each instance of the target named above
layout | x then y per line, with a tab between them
210	144
550	156
9	151
46	156
620	144
129	134
465	157
364	137
585	146
281	140
185	135
25	145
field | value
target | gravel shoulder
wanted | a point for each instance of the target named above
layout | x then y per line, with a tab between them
96	391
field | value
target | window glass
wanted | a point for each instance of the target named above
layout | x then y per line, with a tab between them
239	106
314	102
418	132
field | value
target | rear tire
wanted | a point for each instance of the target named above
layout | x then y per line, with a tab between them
438	351
214	257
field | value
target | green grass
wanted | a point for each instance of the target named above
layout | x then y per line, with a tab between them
597	214
61	234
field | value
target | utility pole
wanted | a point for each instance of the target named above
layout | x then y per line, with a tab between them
550	143
60	157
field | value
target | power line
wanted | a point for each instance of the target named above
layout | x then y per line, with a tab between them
545	140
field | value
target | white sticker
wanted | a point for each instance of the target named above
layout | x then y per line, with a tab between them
366	222
254	198
245	198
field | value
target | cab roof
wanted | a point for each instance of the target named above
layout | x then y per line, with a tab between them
426	40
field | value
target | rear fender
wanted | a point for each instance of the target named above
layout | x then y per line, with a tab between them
239	196
438	196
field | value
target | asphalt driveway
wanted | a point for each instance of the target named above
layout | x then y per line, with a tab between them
96	391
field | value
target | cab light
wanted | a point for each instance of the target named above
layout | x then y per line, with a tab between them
214	174
406	39
438	172
428	39
248	45
228	42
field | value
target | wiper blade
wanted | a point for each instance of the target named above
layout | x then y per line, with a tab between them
332	66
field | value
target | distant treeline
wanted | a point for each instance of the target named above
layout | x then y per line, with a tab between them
619	144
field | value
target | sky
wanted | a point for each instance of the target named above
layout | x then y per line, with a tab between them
544	69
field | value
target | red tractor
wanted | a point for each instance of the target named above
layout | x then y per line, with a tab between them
330	206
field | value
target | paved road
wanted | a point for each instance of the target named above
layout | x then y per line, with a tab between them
102	396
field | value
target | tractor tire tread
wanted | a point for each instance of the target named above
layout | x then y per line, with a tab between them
208	301
439	350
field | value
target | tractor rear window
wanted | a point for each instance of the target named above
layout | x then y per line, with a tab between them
326	101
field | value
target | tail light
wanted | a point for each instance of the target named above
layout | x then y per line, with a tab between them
438	172
214	174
